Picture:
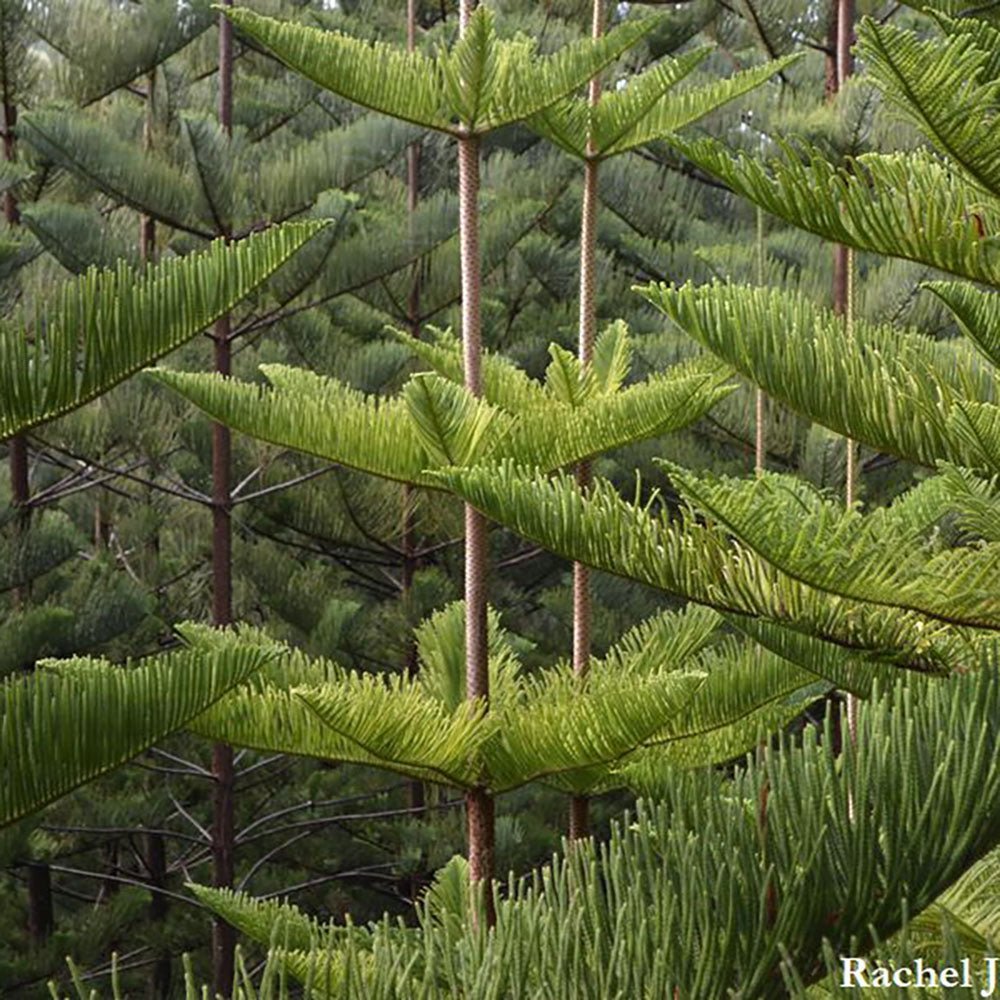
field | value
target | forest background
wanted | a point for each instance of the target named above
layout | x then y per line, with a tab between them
135	133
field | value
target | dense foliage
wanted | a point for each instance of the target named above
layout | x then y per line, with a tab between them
616	279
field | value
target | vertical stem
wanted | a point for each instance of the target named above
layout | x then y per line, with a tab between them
850	476
10	211
17	446
479	802
830	58
579	809
415	788
41	921
147	225
758	437
843	290
223	772
156	863
845	39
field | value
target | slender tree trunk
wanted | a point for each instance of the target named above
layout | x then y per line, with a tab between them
223	837
579	808
415	789
18	445
10	211
147	225
41	921
830	58
760	442
479	802
845	39
156	863
843	284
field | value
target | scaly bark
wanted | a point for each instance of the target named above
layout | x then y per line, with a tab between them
479	802
147	225
843	282
17	446
223	772
579	810
156	865
415	788
41	920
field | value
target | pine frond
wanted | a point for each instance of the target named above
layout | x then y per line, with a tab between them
317	709
694	561
662	643
971	906
268	922
812	538
451	425
976	311
572	122
313	414
60	730
942	86
291	177
440	642
396	724
895	389
215	158
504	384
612	361
976	429
108	47
118	169
682	896
104	327
406	438
845	669
976	500
25	556
748	694
907	205
480	85
378	76
76	235
624	121
560	728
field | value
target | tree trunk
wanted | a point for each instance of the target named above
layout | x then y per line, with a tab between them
830	56
479	802
845	39
582	599
17	445
156	863
147	225
760	442
10	212
223	838
843	280
415	788
41	921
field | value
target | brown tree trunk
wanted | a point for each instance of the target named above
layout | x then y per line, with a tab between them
18	445
579	821
147	225
10	212
845	39
223	836
479	802
156	863
41	921
830	56
843	282
415	789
